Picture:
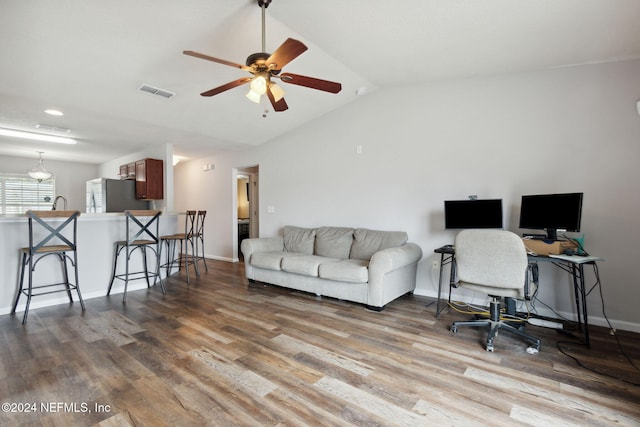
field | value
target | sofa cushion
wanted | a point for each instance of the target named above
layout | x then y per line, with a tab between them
334	242
271	260
299	240
368	242
347	270
304	264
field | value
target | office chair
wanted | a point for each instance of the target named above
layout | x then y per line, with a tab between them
493	262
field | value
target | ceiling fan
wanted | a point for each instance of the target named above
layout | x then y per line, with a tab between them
264	66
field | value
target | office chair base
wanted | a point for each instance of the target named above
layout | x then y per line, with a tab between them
494	327
495	324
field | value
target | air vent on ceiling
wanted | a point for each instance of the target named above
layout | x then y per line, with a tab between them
52	128
156	91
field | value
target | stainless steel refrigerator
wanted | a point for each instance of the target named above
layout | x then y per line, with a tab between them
113	195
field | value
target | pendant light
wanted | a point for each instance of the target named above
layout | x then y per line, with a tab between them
39	172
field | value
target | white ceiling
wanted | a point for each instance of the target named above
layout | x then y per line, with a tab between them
88	57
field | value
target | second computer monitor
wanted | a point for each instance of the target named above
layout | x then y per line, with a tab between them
465	214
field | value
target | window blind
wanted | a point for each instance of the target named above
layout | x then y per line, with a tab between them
19	193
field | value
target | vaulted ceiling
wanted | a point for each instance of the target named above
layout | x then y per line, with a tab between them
88	58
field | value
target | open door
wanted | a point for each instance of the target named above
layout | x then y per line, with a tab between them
247	205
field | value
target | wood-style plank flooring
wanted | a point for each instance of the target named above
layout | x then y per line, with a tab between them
222	352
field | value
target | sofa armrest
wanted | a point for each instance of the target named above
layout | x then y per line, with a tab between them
262	244
387	260
392	273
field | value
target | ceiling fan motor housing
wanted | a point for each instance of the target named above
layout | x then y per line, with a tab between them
259	62
258	59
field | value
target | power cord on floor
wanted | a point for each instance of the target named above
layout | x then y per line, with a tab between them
466	308
598	284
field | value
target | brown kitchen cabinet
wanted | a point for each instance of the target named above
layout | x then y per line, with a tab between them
128	171
149	175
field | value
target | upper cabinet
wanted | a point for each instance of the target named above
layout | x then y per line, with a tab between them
149	179
149	176
128	171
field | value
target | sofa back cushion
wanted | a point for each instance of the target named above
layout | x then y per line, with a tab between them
368	242
334	242
299	240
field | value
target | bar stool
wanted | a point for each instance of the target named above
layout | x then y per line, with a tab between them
141	230
186	239
200	239
65	235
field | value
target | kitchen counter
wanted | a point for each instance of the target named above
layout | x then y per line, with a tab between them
83	216
97	233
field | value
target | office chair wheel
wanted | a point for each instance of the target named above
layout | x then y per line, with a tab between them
533	350
453	329
490	344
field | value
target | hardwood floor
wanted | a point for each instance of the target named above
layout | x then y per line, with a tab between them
223	352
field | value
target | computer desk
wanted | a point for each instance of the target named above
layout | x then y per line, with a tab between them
572	264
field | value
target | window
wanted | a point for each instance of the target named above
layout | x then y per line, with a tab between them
19	193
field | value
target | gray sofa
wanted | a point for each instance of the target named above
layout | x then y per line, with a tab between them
370	267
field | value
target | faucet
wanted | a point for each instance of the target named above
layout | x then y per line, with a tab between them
55	202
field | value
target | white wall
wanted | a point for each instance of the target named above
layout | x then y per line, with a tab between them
565	130
70	177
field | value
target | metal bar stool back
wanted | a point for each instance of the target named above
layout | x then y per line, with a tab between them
45	239
200	239
187	241
142	228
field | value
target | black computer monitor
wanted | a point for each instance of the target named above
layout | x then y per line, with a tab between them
463	214
551	212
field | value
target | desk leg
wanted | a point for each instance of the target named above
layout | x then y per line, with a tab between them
583	294
445	259
438	309
577	271
452	275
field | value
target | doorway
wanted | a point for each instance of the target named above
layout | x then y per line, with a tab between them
246	206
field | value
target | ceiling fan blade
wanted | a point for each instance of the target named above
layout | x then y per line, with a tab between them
218	60
281	105
227	86
311	82
287	52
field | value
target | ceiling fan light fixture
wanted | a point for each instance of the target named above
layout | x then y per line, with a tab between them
277	92
253	96
39	173
259	85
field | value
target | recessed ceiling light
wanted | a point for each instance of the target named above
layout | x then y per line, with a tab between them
54	112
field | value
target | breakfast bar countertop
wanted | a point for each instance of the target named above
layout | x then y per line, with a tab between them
83	216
